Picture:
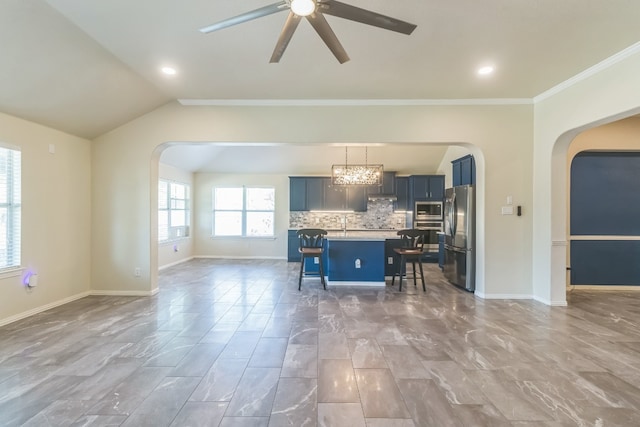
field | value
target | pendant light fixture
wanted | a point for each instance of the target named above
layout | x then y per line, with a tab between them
356	174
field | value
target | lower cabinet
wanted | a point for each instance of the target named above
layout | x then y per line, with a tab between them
390	258
292	246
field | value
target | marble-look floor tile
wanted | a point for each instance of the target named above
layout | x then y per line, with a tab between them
255	393
269	353
295	403
164	403
333	345
403	361
336	382
390	422
300	361
244	422
427	404
200	414
365	353
379	394
340	414
220	382
241	345
240	335
124	398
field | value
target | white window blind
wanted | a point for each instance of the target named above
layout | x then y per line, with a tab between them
173	210
243	212
10	207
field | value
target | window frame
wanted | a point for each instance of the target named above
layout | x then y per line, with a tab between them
173	231
12	260
243	212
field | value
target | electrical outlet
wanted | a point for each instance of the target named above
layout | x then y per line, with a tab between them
390	260
316	260
358	263
136	272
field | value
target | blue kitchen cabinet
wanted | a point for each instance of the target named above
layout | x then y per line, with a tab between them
426	188
357	198
402	194
335	196
315	193
464	171
390	257
297	193
306	193
292	246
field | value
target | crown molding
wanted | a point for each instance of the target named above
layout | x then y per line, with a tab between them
591	71
350	102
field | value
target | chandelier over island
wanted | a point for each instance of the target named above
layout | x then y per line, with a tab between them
356	174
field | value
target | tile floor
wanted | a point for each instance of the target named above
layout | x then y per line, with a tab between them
233	343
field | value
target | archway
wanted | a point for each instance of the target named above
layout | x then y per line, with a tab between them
465	148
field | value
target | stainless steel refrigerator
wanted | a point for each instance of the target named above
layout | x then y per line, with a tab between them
459	239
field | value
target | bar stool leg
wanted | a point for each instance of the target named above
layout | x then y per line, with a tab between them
422	277
301	272
413	266
324	284
403	269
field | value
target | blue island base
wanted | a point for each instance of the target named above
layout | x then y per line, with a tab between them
355	262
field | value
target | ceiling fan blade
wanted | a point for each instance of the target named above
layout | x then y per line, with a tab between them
341	10
248	16
320	24
285	37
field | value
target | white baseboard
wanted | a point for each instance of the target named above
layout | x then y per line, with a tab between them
171	264
125	293
604	288
239	257
503	296
550	302
42	308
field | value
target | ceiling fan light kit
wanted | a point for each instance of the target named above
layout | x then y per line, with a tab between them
314	11
303	7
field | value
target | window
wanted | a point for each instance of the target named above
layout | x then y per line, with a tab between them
243	211
173	210
10	202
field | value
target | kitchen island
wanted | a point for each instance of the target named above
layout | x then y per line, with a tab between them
356	257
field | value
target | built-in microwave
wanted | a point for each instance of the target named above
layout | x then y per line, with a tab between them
426	211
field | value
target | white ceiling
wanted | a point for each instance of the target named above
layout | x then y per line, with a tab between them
86	67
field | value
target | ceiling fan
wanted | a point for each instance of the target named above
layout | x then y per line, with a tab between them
314	11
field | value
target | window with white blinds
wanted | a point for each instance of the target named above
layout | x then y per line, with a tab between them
10	203
173	210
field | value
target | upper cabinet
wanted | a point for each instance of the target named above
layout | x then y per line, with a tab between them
426	188
464	171
388	186
306	193
402	193
317	193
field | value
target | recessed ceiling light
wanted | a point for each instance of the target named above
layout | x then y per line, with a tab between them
169	71
486	70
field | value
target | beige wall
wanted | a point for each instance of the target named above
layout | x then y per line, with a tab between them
226	247
608	94
177	250
56	212
500	137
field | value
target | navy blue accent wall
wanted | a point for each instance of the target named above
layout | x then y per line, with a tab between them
605	194
605	201
605	262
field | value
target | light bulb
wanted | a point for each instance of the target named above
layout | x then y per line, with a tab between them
303	7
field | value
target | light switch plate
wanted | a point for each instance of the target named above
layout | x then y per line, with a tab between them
507	210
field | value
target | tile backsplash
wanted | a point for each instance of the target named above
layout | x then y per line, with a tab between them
379	215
